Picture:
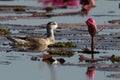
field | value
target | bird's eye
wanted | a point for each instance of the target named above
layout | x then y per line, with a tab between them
53	23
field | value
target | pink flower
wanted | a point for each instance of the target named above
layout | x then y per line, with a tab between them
58	3
92	28
46	2
72	3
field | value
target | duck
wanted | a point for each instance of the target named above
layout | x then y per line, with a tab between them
36	43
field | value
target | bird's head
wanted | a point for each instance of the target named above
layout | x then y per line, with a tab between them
52	25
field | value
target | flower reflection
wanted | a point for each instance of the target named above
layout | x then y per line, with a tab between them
91	72
60	3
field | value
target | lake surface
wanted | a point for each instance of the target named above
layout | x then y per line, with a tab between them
17	65
101	13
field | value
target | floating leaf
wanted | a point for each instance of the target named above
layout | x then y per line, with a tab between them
63	44
61	52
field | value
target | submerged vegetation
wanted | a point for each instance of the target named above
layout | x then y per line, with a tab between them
63	44
61	52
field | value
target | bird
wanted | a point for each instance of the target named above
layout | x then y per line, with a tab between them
36	43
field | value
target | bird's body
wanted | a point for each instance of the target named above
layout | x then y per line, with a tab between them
36	42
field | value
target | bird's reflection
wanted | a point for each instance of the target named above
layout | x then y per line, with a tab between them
50	63
52	71
91	72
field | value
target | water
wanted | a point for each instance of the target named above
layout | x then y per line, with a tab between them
100	13
16	65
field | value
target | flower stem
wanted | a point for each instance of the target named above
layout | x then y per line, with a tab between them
92	47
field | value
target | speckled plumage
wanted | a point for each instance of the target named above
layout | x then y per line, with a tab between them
36	42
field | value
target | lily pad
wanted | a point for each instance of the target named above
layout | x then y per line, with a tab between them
61	52
4	31
114	58
63	44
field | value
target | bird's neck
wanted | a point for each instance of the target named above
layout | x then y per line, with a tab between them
50	35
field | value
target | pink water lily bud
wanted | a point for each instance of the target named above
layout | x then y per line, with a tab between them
92	27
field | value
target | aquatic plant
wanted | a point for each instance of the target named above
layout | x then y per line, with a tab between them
87	51
61	52
19	10
61	60
35	58
92	29
4	31
114	58
48	9
63	44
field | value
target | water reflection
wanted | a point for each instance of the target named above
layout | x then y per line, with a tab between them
52	72
91	72
50	69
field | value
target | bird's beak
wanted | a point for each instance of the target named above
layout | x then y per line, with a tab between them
58	29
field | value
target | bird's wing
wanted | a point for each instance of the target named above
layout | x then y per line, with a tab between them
38	40
18	40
